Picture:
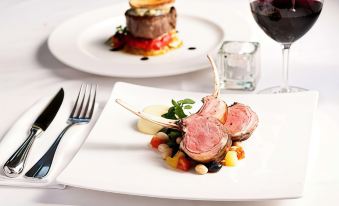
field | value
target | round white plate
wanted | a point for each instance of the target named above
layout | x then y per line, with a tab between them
79	42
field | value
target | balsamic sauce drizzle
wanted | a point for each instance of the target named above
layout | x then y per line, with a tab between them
115	49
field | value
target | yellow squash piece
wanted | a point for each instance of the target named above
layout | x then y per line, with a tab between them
231	158
173	161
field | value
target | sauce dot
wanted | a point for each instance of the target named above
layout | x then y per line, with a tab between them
192	48
144	58
115	49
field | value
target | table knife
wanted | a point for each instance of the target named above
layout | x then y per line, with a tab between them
16	163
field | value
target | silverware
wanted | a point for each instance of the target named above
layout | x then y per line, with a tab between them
16	163
79	115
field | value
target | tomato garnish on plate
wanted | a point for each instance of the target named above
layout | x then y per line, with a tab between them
156	141
149	44
184	164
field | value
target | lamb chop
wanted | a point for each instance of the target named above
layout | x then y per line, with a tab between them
241	122
205	134
205	137
212	104
239	119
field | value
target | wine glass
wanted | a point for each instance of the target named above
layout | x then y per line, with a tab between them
285	21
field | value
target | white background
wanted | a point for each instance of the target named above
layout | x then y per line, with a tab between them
28	71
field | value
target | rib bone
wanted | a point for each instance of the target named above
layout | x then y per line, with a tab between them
216	92
152	118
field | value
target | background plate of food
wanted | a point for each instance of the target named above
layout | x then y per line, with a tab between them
117	157
167	39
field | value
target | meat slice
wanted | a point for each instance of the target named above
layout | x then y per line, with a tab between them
150	27
205	138
214	107
241	122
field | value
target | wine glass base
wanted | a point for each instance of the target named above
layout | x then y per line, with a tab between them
279	90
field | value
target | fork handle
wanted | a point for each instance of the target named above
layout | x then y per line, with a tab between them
42	167
16	163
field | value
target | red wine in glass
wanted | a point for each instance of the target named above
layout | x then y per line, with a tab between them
286	21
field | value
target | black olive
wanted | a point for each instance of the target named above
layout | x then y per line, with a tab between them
213	166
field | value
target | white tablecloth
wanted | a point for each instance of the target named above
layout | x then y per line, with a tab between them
29	71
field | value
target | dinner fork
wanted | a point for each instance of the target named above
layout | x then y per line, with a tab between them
81	114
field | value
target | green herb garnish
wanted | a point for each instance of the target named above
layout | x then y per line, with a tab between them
174	134
177	110
121	30
172	143
117	38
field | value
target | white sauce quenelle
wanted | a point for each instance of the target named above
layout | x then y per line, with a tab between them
148	127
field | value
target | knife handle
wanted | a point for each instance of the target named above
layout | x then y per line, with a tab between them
16	163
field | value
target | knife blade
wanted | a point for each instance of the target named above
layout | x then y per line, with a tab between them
16	163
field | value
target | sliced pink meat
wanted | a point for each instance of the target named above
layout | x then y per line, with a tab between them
214	107
241	122
205	138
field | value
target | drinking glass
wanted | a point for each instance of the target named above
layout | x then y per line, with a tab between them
285	21
239	65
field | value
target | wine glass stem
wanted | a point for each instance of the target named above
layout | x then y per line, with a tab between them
286	54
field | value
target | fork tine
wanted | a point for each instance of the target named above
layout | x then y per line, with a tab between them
82	102
76	102
84	114
93	102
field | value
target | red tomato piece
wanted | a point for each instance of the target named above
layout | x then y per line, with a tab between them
156	141
149	44
118	42
184	164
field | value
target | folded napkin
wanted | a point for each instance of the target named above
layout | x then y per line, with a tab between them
68	147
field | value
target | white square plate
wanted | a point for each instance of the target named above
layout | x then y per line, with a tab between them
116	157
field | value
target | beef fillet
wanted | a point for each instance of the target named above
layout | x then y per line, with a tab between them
150	27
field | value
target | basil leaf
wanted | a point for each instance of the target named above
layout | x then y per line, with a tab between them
179	112
186	101
174	103
187	107
170	114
